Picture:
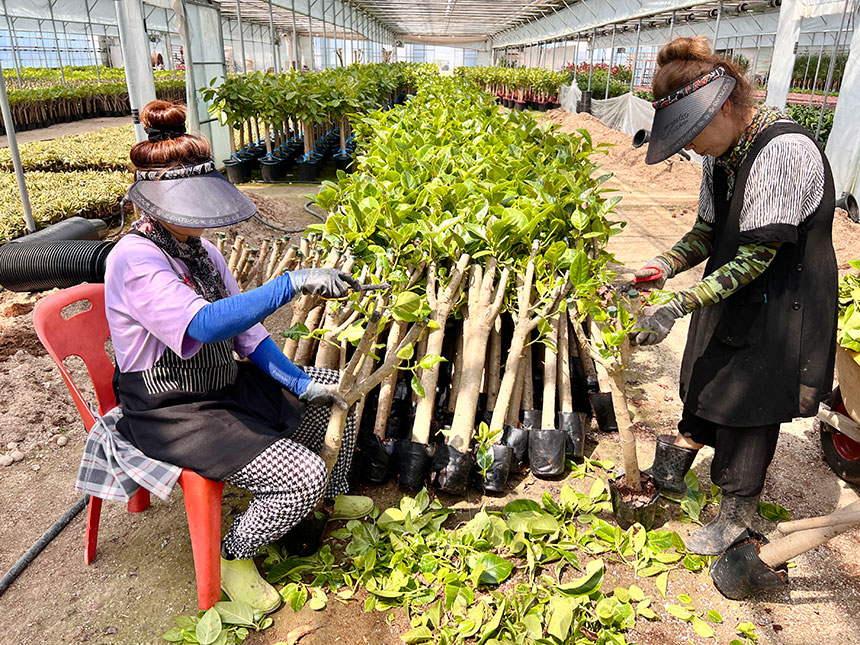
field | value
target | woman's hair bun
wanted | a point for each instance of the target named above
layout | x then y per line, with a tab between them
685	49
163	115
178	150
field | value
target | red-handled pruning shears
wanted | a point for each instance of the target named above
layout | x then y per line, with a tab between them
650	278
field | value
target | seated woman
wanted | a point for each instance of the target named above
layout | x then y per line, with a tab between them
176	316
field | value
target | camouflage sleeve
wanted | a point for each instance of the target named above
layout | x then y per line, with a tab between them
691	249
749	263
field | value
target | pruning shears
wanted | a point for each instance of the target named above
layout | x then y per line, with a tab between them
640	285
364	288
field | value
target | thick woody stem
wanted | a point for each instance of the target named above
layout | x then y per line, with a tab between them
550	371
390	363
386	389
565	394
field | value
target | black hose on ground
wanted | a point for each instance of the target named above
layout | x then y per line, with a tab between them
289	230
41	543
52	265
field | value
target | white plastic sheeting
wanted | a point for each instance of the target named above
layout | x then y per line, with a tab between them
843	145
627	113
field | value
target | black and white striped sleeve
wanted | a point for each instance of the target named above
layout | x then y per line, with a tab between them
784	187
706	192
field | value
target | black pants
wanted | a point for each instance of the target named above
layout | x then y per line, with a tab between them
741	455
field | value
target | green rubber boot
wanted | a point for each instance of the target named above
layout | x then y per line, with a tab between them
242	582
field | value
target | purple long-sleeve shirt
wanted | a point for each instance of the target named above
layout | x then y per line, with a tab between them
149	304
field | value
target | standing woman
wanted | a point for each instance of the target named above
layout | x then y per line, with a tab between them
761	344
176	317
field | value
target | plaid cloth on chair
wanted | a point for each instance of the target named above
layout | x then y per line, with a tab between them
113	469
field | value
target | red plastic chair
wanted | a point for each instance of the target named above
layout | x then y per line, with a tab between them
84	334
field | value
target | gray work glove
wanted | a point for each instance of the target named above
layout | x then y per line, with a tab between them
328	283
323	394
657	266
655	324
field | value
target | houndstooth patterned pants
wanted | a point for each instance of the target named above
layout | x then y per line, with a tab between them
289	478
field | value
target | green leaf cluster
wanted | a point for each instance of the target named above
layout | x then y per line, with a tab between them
848	335
807	116
106	149
226	623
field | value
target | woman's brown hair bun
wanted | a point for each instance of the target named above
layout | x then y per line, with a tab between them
176	149
685	59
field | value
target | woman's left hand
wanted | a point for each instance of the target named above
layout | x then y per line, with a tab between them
323	394
328	283
654	325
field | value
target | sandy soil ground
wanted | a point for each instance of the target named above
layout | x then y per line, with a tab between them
144	574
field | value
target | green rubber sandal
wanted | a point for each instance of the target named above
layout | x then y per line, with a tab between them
351	507
241	581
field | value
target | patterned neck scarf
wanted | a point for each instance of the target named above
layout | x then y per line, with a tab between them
205	278
766	116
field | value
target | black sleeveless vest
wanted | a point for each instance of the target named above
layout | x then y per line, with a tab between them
765	354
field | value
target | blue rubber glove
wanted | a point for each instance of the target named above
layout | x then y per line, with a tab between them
229	317
269	358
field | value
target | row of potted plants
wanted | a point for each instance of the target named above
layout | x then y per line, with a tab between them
518	87
303	117
42	107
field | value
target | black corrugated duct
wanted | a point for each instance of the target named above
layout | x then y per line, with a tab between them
55	264
74	228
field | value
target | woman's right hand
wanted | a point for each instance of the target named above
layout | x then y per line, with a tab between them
655	273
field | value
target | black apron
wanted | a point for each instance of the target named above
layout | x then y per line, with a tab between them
765	354
209	413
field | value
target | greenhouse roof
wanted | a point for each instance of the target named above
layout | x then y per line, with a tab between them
456	18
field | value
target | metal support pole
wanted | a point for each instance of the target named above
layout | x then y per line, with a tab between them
672	27
755	58
93	38
272	36
241	37
334	26
295	36
14	44
16	157
56	40
817	67
830	69
611	64
43	53
170	43
591	57
311	32
808	60
324	38
351	34
636	54
552	63
717	26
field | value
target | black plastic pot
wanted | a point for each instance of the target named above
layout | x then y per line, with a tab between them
248	160
271	169
237	172
497	474
343	162
517	439
519	105
571	424
375	458
531	419
308	170
628	514
451	469
601	403
546	452
739	572
55	264
412	463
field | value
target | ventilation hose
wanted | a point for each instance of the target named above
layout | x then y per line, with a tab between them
55	264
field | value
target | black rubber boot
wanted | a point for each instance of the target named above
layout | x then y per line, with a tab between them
730	524
671	463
